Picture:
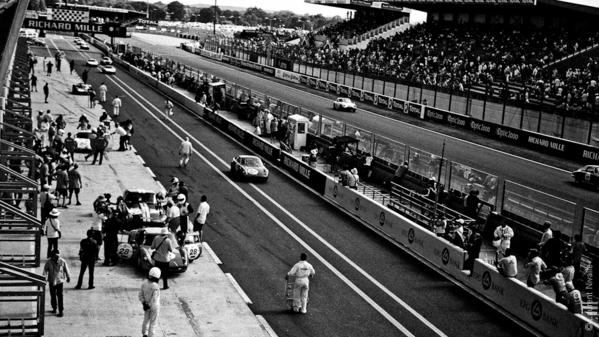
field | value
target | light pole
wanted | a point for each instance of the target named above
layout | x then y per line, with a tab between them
214	23
148	9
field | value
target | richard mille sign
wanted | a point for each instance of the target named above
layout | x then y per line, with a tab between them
64	26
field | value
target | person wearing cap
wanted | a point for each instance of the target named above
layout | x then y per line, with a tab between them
302	272
56	271
184	152
88	254
185	209
149	296
163	247
52	230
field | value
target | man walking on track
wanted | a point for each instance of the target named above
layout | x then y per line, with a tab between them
103	89
185	152
116	107
88	254
168	107
302	272
201	215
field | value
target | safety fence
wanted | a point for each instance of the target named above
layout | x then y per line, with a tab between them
509	110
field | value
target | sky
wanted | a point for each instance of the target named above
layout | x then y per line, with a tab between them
301	7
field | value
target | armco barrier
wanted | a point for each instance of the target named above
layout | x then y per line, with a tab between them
420	240
528	305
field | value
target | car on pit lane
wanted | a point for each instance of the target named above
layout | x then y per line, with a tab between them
81	88
84	46
107	69
106	60
249	167
344	103
78	41
588	174
36	41
83	140
142	208
135	246
92	63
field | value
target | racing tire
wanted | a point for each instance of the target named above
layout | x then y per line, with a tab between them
334	106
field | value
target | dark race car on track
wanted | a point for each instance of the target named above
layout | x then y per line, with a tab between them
588	174
81	88
249	167
137	249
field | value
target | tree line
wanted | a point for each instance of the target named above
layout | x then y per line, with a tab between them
179	12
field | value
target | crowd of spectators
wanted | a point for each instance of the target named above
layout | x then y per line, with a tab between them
460	56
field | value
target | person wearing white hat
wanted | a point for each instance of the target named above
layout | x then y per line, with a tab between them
52	230
163	247
149	296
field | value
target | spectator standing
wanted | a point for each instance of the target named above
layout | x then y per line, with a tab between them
201	216
119	130
111	231
535	266
44	171
183	189
84	75
472	204
71	66
70	144
163	248
45	202
92	97
473	246
168	107
52	231
552	250
559	288
102	90
88	254
400	173
149	296
56	271
33	82
101	145
116	107
49	66
504	234
547	234
46	90
62	186
74	184
185	150
508	266
302	271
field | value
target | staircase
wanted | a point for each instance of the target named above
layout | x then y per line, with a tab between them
389	29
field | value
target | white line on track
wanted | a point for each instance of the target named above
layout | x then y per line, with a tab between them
211	252
400	122
346	280
266	326
238	288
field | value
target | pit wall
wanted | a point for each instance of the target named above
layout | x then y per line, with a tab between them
524	304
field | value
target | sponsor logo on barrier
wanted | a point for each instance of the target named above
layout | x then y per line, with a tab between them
287	76
312	82
476	126
322	85
236	131
445	256
268	70
453	120
335	191
343	90
303	79
486	280
376	99
433	114
260	145
546	143
502	133
382	218
226	59
251	65
211	54
356	93
594	155
357	204
411	235
294	165
368	97
332	87
398	104
414	109
536	310
383	100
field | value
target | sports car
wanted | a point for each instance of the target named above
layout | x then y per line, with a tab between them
81	88
106	60
78	41
250	167
108	69
92	63
84	46
193	246
137	249
83	141
36	41
344	103
146	212
588	174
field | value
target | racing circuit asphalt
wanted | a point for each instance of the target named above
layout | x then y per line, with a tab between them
256	229
542	172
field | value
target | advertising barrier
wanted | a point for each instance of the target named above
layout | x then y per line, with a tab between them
287	75
414	237
304	172
368	97
211	54
268	70
528	304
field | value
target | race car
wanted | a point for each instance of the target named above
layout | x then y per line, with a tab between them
79	41
250	167
141	206
107	69
36	41
81	88
106	60
84	45
137	249
92	63
193	246
588	174
83	141
344	103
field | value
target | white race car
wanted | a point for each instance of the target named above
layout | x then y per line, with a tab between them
106	60
108	69
84	46
344	103
92	62
82	138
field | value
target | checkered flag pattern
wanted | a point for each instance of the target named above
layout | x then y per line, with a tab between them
69	15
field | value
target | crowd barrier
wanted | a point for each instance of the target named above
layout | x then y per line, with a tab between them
556	146
525	304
